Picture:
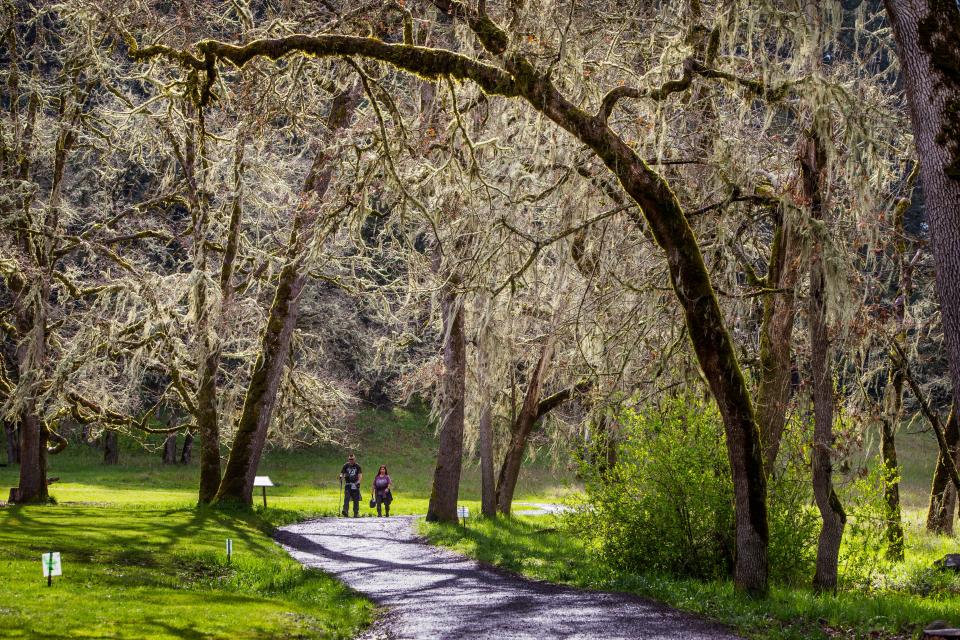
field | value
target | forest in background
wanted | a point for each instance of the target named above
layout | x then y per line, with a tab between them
553	222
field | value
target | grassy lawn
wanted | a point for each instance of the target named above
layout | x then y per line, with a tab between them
161	572
141	561
900	602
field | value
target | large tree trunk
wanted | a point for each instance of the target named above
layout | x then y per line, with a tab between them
260	400
258	404
446	477
33	460
776	331
812	160
488	491
207	415
208	421
13	442
521	429
941	510
31	353
927	33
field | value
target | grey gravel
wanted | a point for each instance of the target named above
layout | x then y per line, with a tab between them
430	592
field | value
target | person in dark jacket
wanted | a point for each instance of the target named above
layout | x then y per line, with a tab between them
352	475
381	490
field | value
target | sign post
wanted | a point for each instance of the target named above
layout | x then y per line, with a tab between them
51	566
263	481
463	513
229	549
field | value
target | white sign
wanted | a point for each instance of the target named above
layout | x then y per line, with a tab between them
463	512
229	546
262	481
51	564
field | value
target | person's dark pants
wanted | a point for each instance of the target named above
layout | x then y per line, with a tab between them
348	495
382	499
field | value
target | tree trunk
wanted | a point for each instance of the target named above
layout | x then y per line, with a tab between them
33	460
950	507
13	442
927	33
708	334
32	485
208	421
812	160
521	429
893	405
187	452
891	485
207	415
251	435
170	449
446	477
605	453
940	512
111	448
488	491
237	484
776	331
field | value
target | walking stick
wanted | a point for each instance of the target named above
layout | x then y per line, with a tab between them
342	497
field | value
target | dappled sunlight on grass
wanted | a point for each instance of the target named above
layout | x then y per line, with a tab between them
540	548
161	572
141	560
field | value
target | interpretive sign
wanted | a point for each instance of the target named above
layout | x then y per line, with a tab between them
263	481
229	549
463	513
51	566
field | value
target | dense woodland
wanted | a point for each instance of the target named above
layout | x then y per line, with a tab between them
544	218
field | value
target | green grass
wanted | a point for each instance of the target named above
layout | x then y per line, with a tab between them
141	561
539	547
896	601
306	479
158	572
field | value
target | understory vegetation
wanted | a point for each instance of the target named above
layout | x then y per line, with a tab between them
659	524
899	606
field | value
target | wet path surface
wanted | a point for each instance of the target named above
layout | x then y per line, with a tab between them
435	593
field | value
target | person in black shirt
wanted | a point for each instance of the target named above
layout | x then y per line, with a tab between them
352	475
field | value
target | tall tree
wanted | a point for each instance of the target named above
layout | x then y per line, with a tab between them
309	226
943	493
813	163
446	476
927	33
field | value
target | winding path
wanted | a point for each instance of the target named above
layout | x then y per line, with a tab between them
430	592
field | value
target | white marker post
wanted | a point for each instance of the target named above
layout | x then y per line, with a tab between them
229	549
463	513
51	566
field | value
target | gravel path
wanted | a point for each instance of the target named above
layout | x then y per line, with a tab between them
430	592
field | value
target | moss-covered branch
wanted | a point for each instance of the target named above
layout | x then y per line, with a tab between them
85	410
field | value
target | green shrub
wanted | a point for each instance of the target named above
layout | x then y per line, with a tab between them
667	505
